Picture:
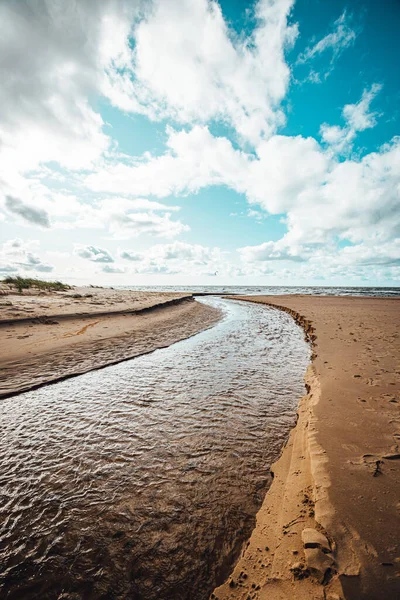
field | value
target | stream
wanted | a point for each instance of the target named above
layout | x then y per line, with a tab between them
142	480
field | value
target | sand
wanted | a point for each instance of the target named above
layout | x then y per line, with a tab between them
78	301
63	337
337	483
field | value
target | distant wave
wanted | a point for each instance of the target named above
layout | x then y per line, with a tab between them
270	290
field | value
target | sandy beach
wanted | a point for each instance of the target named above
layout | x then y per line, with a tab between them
329	525
328	528
54	335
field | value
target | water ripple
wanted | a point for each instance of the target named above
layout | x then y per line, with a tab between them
142	480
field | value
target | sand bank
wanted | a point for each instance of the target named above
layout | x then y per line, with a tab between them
50	337
76	302
329	526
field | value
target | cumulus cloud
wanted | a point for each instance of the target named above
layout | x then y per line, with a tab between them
128	224
130	255
193	160
371	253
352	200
186	252
197	159
270	251
187	65
339	39
19	256
7	268
358	118
175	59
179	60
93	253
126	218
121	217
176	257
54	56
35	216
322	197
112	269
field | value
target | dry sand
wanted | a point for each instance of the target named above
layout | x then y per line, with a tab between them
339	474
63	336
78	301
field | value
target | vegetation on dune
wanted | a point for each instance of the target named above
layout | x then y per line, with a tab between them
24	283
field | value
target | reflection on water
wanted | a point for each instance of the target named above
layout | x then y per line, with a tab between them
142	480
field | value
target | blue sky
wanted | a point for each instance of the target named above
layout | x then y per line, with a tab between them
195	142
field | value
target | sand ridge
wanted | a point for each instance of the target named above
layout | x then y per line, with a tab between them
45	348
339	474
77	302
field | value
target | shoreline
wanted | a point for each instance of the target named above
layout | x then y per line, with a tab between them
338	473
47	348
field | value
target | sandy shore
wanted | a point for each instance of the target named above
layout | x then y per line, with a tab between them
76	302
53	336
329	526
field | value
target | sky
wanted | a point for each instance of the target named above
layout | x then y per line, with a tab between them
184	142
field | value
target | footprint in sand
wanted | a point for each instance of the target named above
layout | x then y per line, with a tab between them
372	382
389	398
365	404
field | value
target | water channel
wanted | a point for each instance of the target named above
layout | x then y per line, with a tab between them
142	480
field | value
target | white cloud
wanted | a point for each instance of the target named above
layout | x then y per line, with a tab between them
53	57
197	159
35	216
270	251
121	217
340	139
193	159
20	256
358	118
354	200
176	257
370	253
131	255
187	65
320	197
93	253
113	269
125	218
178	59
123	222
339	39
181	251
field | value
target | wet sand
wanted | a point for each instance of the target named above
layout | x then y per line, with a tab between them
339	474
48	337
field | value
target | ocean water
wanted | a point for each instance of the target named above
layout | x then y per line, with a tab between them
270	290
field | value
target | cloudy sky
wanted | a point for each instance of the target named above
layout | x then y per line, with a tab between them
200	142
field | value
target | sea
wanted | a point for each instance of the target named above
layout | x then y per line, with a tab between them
216	290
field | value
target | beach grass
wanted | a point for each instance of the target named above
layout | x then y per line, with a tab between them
24	283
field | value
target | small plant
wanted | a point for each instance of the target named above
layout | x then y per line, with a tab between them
77	296
24	283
